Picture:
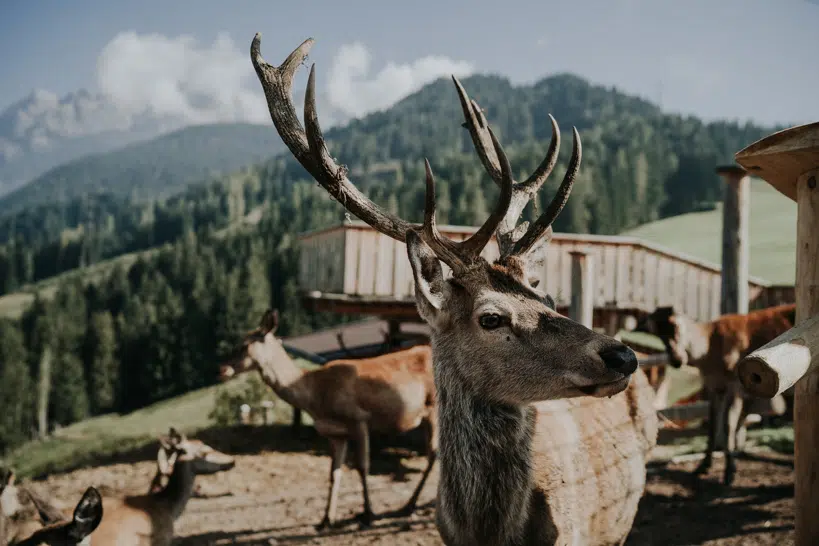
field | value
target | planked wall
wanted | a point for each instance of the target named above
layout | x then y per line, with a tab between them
355	260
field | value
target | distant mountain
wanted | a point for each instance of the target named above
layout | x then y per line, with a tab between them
42	131
155	168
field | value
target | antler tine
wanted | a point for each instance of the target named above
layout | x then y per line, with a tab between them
309	148
478	130
475	244
459	255
444	248
543	225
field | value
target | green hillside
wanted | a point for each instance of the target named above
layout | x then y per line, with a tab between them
155	168
772	234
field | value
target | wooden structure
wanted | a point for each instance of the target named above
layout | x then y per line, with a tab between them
735	252
351	268
789	161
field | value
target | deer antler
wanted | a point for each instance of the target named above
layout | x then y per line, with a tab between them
308	146
511	238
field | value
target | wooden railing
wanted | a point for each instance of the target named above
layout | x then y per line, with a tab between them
355	260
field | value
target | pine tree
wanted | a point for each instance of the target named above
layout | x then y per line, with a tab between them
103	368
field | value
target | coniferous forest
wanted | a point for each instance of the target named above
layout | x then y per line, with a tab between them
139	294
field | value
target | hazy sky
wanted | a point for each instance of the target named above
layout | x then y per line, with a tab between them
736	59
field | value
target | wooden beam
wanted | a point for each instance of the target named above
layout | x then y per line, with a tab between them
789	161
734	294
581	308
778	365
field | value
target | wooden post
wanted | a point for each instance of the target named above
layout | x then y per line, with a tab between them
734	295
789	161
581	308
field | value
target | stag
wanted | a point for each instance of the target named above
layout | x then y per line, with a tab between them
545	425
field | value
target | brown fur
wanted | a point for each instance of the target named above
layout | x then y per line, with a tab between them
347	399
149	519
32	521
715	348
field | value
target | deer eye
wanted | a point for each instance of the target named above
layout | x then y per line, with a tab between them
490	321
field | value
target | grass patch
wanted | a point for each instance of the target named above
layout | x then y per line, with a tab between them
102	438
779	440
772	234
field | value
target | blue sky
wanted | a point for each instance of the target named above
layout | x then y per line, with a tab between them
735	59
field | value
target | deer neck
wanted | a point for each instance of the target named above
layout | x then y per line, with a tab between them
179	490
485	454
698	337
283	376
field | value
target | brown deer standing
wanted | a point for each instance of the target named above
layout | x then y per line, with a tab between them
714	348
149	519
45	525
514	469
348	399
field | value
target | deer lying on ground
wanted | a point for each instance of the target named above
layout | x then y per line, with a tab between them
47	525
348	399
149	519
714	348
545	425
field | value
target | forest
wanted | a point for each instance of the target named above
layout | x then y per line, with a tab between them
207	260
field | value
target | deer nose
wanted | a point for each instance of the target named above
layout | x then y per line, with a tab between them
619	358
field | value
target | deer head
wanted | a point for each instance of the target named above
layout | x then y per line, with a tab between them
258	345
500	335
670	327
176	447
87	516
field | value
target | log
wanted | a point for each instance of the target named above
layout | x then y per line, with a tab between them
778	365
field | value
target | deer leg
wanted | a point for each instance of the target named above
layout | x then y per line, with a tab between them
338	452
713	416
734	415
431	440
742	429
363	466
296	427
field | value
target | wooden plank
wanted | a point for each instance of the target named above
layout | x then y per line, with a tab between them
366	263
384	259
351	250
623	280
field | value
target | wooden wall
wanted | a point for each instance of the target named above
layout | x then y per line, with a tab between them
355	260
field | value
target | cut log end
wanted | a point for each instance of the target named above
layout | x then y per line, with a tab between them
758	378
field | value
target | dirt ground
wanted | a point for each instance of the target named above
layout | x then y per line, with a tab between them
277	492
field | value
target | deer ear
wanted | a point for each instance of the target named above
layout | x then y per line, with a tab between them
87	515
429	277
270	321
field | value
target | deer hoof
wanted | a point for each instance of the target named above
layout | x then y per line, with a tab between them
703	467
324	525
406	511
365	519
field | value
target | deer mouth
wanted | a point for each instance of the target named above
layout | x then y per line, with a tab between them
610	388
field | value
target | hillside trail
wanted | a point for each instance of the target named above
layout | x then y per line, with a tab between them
275	498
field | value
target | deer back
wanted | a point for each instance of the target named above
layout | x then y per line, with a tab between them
590	456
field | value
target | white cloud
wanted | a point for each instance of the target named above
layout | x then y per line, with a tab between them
148	83
180	78
352	89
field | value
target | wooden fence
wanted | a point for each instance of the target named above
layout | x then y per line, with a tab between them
354	260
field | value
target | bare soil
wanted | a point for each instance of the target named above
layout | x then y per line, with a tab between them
278	489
